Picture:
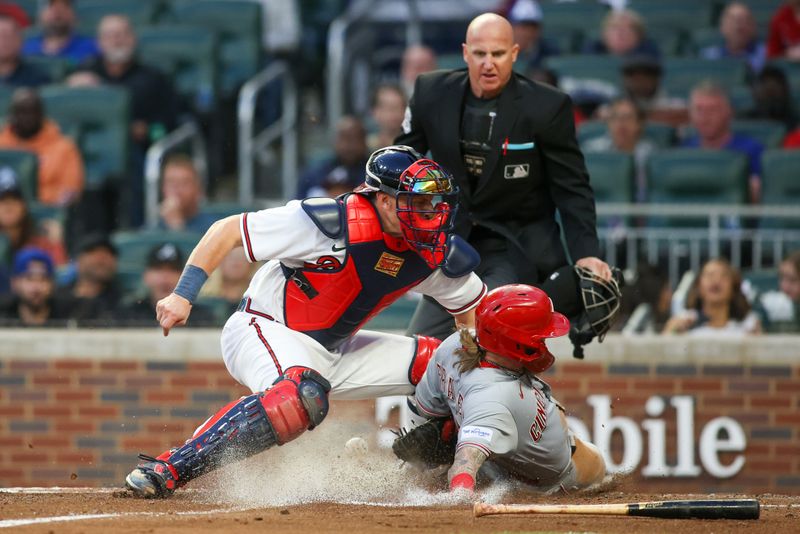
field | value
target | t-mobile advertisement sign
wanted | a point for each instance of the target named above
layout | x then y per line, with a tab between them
722	434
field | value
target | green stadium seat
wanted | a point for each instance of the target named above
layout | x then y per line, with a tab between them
572	16
611	176
763	10
741	99
682	74
694	176
453	61
134	246
238	26
700	38
220	210
26	166
139	12
188	54
587	67
30	7
792	71
41	212
663	135
396	317
671	41
5	250
100	116
768	133
220	308
674	14
588	130
762	280
780	184
5	99
55	67
129	279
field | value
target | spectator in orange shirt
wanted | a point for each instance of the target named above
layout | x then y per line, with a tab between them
61	171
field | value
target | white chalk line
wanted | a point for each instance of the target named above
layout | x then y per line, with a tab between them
8	523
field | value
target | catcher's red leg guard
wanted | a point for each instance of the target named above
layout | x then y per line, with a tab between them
426	346
298	401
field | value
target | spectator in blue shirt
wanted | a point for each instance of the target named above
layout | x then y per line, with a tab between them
58	39
182	194
345	168
738	28
14	70
710	113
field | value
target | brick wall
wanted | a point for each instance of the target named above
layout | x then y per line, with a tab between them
77	406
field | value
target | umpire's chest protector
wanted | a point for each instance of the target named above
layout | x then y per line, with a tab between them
331	301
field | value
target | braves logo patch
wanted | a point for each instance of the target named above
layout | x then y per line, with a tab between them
513	172
389	264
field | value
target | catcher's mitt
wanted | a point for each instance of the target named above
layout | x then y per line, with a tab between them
429	445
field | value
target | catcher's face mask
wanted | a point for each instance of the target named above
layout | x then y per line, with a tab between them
426	204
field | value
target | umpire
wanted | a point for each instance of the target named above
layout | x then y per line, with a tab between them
510	143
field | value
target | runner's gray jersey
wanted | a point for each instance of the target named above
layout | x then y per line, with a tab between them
511	418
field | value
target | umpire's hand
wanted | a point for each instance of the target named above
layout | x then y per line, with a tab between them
596	265
172	310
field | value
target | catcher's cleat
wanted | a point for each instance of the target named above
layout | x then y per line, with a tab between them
152	479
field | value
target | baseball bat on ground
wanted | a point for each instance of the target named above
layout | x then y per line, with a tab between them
690	509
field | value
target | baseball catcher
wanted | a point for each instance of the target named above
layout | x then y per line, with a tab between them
295	341
505	421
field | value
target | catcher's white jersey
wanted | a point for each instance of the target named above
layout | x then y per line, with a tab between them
256	344
287	235
511	418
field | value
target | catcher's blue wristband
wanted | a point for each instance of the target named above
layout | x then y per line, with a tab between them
192	279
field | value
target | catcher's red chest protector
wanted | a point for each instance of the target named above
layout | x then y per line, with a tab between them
330	302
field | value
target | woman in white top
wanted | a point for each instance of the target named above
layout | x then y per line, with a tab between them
715	304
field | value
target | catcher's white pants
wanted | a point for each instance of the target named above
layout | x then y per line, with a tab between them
370	364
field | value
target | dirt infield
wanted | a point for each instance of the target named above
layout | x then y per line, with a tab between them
191	512
316	485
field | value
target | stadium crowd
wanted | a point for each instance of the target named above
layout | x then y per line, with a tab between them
645	88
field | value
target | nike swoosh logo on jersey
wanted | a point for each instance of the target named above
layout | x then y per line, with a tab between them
337	249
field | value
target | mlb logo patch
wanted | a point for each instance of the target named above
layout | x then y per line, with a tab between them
513	172
389	264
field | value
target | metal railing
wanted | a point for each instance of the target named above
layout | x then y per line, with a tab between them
283	129
188	132
736	231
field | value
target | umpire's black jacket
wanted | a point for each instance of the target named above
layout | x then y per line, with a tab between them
534	167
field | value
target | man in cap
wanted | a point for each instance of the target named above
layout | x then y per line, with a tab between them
95	289
32	302
164	266
525	17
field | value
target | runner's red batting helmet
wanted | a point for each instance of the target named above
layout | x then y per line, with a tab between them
514	320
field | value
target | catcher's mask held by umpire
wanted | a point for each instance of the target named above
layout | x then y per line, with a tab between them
601	304
514	320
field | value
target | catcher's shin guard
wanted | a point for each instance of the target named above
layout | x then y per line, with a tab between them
297	401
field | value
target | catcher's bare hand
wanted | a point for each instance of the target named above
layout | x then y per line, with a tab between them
172	310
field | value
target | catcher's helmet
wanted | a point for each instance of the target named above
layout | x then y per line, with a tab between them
514	320
386	165
426	194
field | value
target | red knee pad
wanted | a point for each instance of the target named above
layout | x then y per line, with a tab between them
298	401
426	346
